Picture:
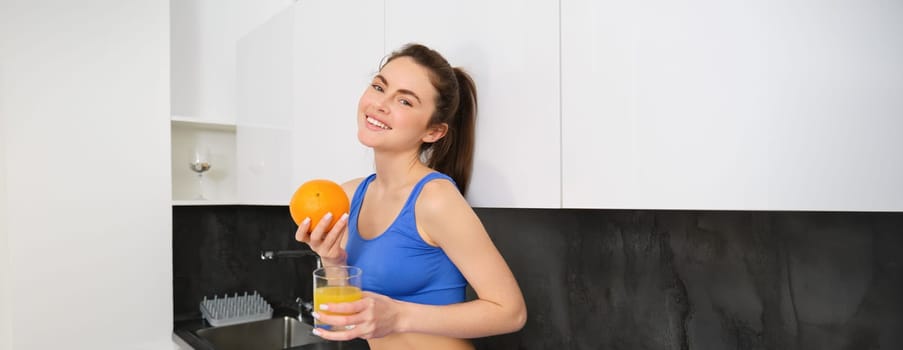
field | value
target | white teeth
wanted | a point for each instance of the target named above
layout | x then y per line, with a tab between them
377	123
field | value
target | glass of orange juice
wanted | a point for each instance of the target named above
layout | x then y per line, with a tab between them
335	284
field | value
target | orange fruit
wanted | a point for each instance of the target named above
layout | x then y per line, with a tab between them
315	198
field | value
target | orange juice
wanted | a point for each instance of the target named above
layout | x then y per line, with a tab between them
335	284
334	294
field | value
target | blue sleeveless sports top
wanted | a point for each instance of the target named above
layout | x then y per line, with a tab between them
398	263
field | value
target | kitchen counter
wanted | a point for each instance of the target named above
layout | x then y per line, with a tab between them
185	329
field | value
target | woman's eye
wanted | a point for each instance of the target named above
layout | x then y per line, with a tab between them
377	87
405	102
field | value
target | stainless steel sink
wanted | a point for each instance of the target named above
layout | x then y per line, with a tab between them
271	334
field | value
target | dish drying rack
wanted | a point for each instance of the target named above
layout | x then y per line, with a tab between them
235	309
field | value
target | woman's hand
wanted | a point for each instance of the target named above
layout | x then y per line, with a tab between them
373	316
328	245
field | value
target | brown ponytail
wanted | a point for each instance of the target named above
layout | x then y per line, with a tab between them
456	105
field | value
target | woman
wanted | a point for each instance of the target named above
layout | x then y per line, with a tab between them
411	231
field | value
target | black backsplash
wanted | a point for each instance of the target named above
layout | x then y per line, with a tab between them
216	250
620	279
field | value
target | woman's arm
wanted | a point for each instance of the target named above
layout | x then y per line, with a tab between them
445	217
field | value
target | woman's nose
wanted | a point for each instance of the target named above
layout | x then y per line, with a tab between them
382	104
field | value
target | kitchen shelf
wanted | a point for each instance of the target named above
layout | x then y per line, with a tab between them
217	138
201	202
266	203
183	203
182	121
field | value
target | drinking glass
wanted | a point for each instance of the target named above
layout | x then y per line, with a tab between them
200	163
335	284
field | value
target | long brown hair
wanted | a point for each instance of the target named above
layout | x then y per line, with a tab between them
456	105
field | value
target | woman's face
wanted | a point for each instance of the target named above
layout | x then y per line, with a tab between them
395	109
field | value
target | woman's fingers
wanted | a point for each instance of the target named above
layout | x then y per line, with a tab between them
319	232
337	335
301	235
354	314
327	245
339	321
332	238
348	308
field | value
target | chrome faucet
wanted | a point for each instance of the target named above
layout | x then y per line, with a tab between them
282	254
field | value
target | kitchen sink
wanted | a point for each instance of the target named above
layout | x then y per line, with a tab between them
270	334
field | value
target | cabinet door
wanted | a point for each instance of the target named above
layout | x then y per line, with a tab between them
264	131
511	50
734	105
337	49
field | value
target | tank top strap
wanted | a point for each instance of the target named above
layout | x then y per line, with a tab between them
415	192
358	199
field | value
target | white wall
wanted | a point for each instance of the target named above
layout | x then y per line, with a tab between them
204	39
85	96
6	340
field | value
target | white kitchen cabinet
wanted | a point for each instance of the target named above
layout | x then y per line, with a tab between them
337	46
200	38
734	105
299	76
265	89
203	60
511	50
203	35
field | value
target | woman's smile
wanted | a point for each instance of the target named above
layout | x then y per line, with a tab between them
374	123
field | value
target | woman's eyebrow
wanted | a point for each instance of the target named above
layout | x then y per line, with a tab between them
404	91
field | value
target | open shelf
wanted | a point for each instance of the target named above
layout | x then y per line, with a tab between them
191	122
201	202
218	138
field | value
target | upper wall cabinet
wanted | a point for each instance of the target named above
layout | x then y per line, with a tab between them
337	49
207	39
203	35
299	79
264	66
767	105
511	50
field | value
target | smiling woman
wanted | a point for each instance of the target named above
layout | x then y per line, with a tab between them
410	229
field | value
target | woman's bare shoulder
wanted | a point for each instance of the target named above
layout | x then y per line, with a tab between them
439	196
351	185
444	215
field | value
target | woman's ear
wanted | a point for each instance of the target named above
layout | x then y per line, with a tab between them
435	133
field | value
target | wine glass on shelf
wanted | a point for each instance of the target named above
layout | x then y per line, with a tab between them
200	163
